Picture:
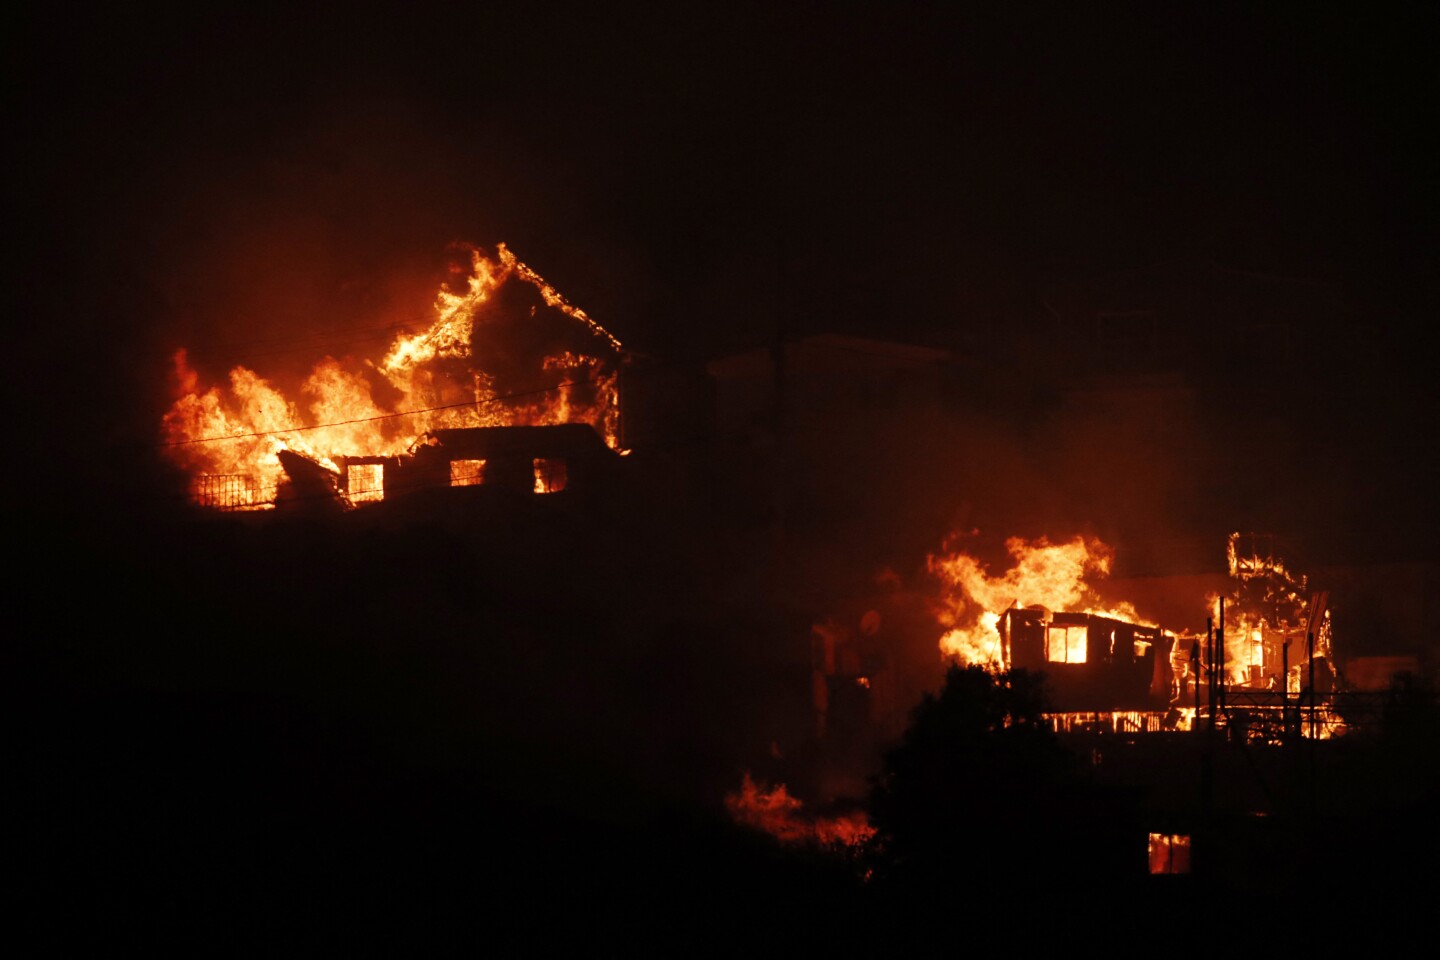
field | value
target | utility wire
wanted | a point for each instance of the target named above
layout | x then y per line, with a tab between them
649	368
383	416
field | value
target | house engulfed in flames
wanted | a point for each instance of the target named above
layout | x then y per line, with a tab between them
1122	688
1265	649
1103	662
509	386
1091	662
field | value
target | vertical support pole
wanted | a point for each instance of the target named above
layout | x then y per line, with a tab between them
1220	652
1284	668
1285	687
1310	656
1210	669
1207	755
1314	742
1196	674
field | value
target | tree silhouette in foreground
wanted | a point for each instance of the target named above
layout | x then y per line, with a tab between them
980	800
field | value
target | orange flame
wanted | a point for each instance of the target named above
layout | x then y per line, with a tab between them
1255	636
1044	574
777	813
432	375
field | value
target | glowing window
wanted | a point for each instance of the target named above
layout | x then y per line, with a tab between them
1169	853
467	473
228	491
365	481
549	476
1065	644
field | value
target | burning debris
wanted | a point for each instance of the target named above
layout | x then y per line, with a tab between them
1264	666
1275	628
503	349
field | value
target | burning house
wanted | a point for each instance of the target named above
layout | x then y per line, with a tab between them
468	400
1267	636
1203	723
1271	631
1092	663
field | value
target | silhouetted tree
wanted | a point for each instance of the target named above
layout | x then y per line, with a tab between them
980	799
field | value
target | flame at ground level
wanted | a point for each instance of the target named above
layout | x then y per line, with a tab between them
776	812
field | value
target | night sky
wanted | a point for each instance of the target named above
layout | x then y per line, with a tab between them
692	173
265	185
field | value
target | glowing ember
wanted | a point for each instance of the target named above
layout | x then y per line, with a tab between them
437	378
782	816
1044	574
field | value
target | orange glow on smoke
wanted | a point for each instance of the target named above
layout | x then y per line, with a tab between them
783	817
1043	574
229	438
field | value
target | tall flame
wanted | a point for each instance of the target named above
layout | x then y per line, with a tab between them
1044	574
433	377
1266	615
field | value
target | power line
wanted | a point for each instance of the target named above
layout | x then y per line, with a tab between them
649	368
639	372
383	416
